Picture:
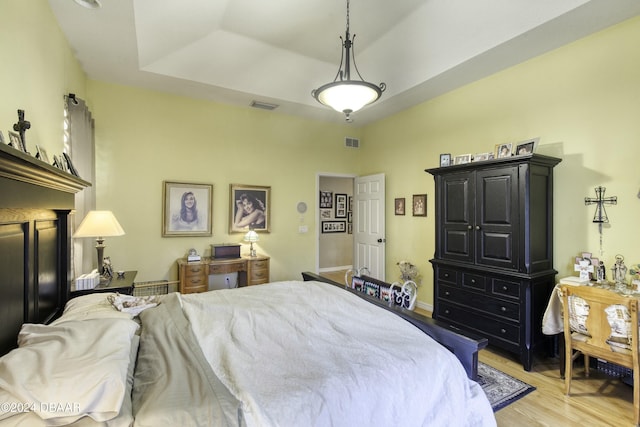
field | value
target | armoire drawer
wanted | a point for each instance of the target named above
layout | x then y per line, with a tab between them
494	306
485	325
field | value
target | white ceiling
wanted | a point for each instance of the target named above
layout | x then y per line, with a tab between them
277	51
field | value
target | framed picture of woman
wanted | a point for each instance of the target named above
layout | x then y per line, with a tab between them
187	209
249	208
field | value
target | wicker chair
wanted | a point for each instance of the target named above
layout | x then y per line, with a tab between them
589	315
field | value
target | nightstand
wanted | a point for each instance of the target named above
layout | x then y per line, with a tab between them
122	285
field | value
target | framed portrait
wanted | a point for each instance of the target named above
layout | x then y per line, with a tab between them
325	213
527	147
187	209
445	159
462	159
341	205
399	204
326	199
249	208
334	226
503	150
41	154
419	205
16	142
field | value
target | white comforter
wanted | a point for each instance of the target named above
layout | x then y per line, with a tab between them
311	354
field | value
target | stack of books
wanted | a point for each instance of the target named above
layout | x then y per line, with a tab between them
87	281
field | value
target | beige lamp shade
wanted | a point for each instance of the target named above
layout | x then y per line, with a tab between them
99	224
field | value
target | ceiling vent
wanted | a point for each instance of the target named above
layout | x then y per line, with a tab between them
263	105
351	142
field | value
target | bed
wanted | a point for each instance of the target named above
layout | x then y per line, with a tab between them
289	353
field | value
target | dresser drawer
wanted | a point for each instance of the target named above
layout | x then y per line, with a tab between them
194	270
447	275
487	304
506	288
485	325
259	276
226	268
474	281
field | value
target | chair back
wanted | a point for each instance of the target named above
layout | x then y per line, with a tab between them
602	323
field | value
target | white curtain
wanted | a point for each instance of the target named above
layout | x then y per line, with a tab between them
79	144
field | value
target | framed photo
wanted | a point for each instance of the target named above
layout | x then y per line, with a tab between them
249	207
503	150
350	228
445	159
399	204
350	203
341	205
16	142
325	213
334	226
70	168
2	138
41	154
482	156
419	205
186	209
462	159
326	199
527	147
349	217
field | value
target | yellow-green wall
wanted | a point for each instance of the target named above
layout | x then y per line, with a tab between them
582	100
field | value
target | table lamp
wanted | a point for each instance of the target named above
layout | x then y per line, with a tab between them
99	224
251	236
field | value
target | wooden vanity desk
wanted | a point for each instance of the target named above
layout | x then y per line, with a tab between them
194	276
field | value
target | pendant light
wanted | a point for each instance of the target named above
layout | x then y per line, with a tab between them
343	94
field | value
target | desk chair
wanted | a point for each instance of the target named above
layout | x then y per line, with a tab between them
601	323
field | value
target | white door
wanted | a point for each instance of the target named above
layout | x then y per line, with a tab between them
368	225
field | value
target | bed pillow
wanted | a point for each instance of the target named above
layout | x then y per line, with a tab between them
91	306
70	370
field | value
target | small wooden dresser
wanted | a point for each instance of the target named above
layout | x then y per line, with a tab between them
194	276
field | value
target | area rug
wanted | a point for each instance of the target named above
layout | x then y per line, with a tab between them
500	388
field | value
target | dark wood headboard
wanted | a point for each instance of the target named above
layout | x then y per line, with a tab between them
36	200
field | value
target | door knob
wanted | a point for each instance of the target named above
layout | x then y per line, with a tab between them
382	240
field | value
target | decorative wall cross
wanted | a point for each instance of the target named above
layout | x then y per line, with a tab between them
600	201
22	126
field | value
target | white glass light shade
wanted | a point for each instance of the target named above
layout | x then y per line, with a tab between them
347	96
89	4
99	224
251	236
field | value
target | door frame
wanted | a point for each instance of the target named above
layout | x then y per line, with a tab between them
317	209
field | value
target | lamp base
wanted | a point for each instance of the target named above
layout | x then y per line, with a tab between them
252	252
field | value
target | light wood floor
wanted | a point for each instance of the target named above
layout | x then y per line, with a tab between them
595	401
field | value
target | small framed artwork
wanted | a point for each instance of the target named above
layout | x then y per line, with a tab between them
445	159
70	167
186	209
462	159
2	138
503	150
482	156
419	205
326	199
350	228
399	204
249	208
349	217
16	142
341	205
325	213
527	147
41	154
350	203
334	226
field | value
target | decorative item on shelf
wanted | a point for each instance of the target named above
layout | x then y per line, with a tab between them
527	147
107	268
2	141
251	237
600	217
193	255
619	271
346	95
586	266
99	224
480	157
462	159
41	154
445	159
21	127
634	271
